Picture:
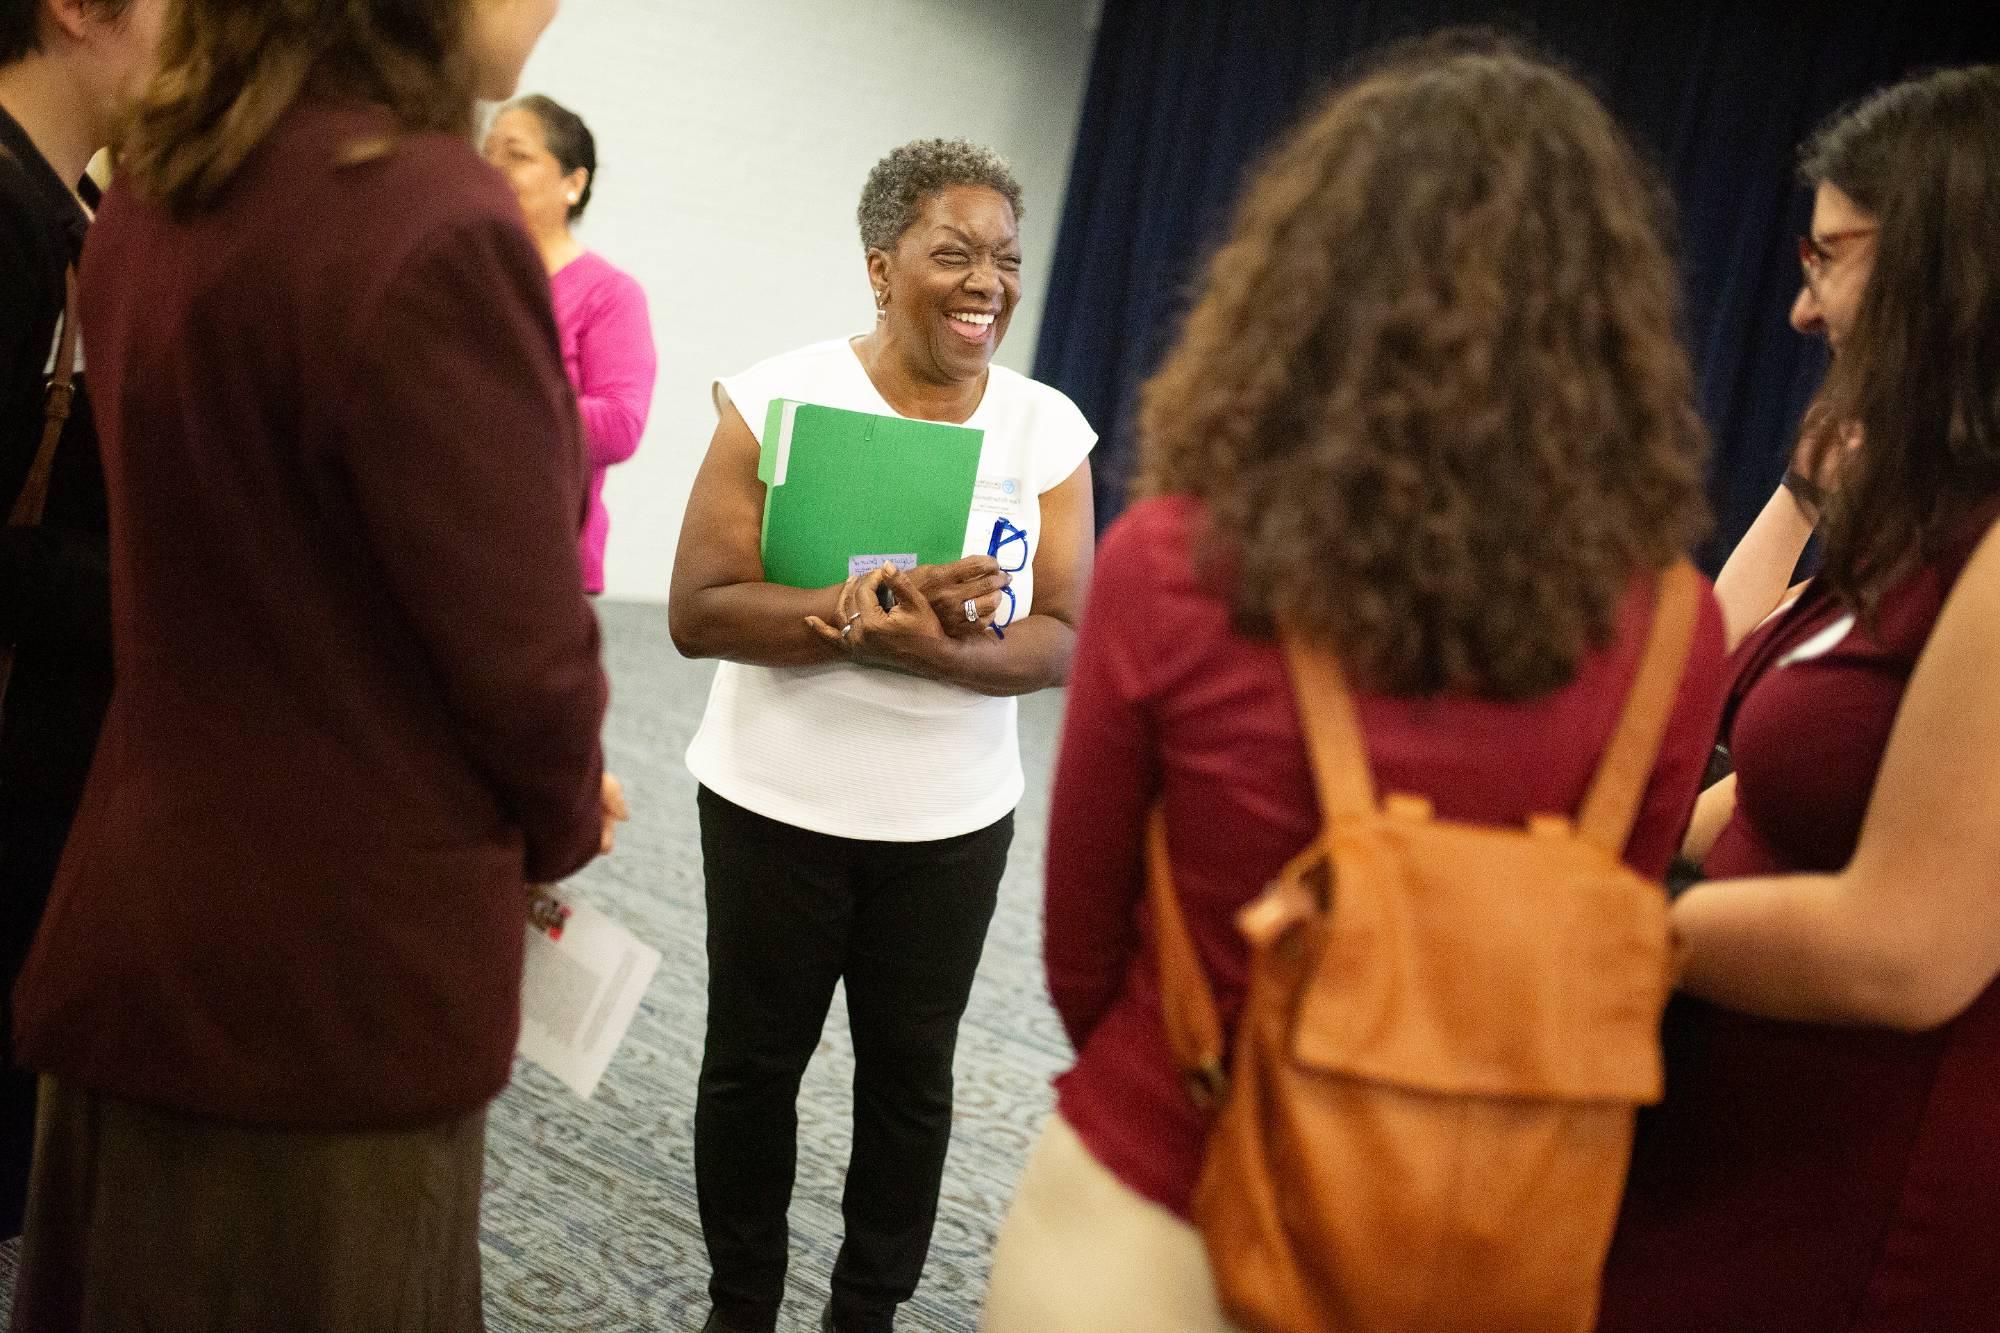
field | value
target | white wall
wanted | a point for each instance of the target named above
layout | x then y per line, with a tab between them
733	138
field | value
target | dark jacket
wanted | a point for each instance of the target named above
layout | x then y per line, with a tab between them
358	692
54	602
54	598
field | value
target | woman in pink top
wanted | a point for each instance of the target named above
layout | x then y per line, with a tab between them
550	158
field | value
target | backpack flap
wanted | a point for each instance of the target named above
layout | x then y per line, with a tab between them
1469	960
1466	960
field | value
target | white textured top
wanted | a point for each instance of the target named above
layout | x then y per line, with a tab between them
860	752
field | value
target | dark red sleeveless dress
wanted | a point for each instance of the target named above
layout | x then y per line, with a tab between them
1803	1178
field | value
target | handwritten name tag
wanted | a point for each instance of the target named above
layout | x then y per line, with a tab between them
857	565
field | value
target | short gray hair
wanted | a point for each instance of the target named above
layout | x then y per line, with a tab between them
902	181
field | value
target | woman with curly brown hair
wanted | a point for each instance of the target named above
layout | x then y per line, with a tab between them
1826	1157
1430	413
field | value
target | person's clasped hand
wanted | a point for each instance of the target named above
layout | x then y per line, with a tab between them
977	579
910	630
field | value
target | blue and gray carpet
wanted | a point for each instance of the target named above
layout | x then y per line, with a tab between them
590	1219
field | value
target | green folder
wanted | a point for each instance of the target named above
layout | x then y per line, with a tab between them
847	491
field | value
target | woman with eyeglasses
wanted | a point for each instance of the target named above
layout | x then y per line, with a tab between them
1835	258
858	760
1827	1156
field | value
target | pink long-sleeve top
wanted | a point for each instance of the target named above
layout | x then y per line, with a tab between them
607	348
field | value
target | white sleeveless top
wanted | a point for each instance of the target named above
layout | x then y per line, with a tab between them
861	752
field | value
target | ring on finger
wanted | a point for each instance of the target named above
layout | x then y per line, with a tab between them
972	610
851	619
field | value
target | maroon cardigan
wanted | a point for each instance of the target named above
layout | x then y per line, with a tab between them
358	693
1168	701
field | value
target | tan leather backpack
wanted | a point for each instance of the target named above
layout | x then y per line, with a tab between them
1428	1115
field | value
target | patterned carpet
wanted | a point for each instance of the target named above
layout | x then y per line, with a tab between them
589	1213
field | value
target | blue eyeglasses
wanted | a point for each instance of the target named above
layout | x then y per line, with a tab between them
1008	545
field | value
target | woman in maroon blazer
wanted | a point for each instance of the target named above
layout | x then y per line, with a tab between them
358	693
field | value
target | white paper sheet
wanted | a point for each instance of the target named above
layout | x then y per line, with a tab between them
582	983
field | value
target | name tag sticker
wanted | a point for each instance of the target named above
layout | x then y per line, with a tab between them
997	495
1820	644
857	565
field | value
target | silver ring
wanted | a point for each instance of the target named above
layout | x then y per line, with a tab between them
972	610
845	628
856	616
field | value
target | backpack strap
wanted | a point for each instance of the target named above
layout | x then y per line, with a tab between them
1612	804
1340	775
34	497
1332	731
1187	1002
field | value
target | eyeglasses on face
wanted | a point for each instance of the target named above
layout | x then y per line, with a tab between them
1816	253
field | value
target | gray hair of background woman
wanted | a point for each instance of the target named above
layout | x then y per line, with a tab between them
900	182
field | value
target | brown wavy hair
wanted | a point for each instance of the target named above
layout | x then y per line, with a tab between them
1919	372
1433	394
228	70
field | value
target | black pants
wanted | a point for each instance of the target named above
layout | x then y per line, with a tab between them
789	914
49	722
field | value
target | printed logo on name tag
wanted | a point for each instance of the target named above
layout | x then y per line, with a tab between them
996	495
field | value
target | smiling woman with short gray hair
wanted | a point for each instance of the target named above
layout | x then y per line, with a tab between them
898	187
858	761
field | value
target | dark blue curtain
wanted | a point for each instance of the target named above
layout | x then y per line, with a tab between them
1184	95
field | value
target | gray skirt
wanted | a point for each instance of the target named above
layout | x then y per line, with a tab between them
142	1218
